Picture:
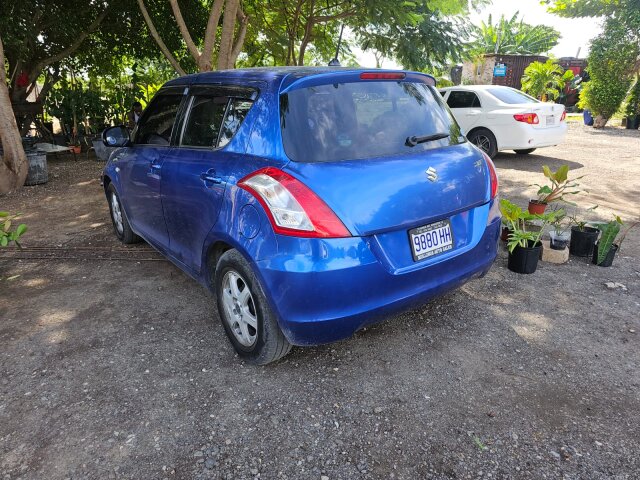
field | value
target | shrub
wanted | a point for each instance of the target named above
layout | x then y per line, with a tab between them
611	63
7	233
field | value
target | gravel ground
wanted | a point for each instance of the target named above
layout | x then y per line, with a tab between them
114	364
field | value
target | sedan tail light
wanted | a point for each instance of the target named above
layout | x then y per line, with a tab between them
492	174
530	118
292	207
563	117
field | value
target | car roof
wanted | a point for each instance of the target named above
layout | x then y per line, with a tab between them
271	74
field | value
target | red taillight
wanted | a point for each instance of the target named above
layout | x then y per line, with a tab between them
292	207
492	175
382	76
530	118
563	116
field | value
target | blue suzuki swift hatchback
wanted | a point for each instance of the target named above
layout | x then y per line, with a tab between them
311	201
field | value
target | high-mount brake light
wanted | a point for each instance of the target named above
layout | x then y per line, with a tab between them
530	118
492	174
382	76
292	207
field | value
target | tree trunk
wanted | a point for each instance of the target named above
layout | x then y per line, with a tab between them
600	121
13	164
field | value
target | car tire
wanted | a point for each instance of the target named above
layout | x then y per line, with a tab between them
245	313
484	140
524	151
121	225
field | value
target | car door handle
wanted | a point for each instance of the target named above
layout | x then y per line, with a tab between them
210	177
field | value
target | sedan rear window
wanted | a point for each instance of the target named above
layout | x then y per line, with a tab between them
359	120
511	96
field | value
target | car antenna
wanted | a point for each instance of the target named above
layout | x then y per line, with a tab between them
335	62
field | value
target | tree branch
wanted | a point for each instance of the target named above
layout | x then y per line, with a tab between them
226	38
154	33
184	31
70	49
328	18
237	48
210	35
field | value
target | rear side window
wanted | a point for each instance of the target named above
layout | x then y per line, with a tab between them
460	99
235	115
156	124
511	96
214	120
358	120
203	122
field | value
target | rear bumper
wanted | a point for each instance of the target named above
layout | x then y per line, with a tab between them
528	137
330	289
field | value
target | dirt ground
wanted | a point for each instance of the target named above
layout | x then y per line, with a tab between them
113	363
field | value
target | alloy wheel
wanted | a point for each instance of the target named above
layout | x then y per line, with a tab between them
117	213
239	308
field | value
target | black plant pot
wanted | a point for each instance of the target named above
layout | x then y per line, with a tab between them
633	123
582	241
608	260
557	244
525	259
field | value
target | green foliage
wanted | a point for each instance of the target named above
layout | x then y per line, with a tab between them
612	64
609	231
545	80
418	35
560	185
583	8
7	233
633	100
518	221
512	36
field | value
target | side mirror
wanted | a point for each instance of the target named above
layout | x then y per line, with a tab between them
117	136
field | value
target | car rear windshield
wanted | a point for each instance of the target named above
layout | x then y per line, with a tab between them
511	96
359	120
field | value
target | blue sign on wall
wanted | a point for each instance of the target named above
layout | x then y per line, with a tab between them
500	70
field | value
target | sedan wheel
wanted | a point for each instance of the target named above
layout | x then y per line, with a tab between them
485	141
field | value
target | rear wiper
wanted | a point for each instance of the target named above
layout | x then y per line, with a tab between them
413	141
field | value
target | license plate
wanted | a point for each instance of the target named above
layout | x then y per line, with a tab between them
430	240
550	120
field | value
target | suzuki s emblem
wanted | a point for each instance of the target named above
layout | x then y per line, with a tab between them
432	174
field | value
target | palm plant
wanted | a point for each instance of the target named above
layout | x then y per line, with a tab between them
512	36
545	80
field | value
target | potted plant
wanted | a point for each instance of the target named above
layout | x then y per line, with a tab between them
606	247
583	237
560	186
523	244
560	234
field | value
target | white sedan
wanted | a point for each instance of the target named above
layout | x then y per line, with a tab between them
498	118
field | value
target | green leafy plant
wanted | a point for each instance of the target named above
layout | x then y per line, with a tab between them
545	80
610	231
560	186
519	222
580	222
512	36
7	233
561	222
